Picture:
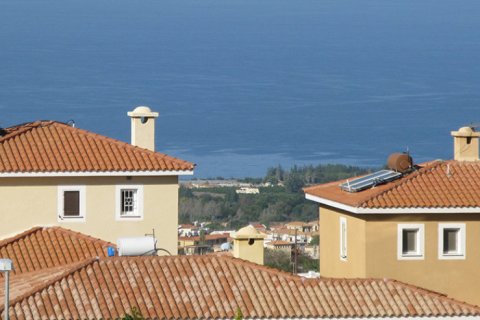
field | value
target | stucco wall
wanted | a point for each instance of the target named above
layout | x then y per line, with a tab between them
28	202
458	278
253	253
330	263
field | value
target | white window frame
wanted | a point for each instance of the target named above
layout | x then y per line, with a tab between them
82	205
343	252
420	238
118	199
462	252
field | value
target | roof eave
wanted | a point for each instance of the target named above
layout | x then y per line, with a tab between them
96	173
413	210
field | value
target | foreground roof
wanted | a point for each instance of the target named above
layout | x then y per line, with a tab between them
42	248
54	147
437	184
206	287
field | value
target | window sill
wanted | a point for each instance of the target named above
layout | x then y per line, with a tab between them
452	256
411	257
129	218
63	219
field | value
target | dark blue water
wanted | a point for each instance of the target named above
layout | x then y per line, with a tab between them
245	84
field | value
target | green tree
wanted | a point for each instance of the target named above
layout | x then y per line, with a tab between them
238	314
315	240
278	259
134	315
294	182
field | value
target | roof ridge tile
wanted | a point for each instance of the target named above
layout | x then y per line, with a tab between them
7	241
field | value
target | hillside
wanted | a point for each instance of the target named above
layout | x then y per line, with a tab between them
280	197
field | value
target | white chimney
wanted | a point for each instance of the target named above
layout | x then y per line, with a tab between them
143	127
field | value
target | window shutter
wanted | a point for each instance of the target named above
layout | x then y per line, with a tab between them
71	203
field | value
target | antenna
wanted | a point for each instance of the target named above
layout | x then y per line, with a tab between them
71	123
474	125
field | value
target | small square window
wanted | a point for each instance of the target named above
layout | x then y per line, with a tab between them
410	242
451	241
71	203
129	202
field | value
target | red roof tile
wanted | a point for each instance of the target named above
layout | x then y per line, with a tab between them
47	247
438	184
207	237
49	146
213	287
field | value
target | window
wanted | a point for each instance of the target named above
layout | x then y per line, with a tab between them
129	202
71	203
451	241
410	241
343	239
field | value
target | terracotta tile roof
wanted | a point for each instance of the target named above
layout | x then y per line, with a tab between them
47	247
296	223
207	237
280	243
290	232
438	184
213	287
49	146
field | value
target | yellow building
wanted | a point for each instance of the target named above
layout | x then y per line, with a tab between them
420	226
54	174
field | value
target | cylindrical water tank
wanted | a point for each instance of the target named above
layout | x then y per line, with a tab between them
136	246
400	162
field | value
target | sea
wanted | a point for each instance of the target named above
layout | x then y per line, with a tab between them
243	85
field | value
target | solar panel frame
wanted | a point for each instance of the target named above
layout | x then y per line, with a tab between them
370	180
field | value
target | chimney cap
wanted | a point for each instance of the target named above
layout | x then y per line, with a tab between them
248	232
142	111
465	132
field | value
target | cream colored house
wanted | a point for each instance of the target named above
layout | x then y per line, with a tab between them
423	227
53	174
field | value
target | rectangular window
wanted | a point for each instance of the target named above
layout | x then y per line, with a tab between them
451	241
129	202
343	238
71	203
410	241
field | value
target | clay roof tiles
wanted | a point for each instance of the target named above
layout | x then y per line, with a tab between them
215	287
49	146
42	248
437	184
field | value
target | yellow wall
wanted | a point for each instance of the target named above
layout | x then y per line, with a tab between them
330	263
253	253
28	202
372	252
458	278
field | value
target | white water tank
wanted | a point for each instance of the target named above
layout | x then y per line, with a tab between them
137	246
